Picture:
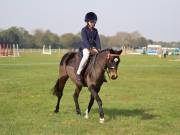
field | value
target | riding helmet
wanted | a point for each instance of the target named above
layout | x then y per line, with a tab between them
91	16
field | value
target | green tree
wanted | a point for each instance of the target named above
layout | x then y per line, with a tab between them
70	40
16	35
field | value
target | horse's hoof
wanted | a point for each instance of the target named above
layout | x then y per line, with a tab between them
56	111
101	120
86	117
78	113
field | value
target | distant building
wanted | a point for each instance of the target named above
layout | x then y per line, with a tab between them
154	49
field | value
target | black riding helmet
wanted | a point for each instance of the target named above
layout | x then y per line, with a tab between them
90	17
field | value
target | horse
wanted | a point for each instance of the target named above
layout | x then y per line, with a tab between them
93	74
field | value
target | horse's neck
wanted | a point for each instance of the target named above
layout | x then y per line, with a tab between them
96	69
101	61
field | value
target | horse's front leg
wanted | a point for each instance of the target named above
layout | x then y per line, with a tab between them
76	95
94	92
91	102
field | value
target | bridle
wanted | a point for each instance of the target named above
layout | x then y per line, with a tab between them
111	55
108	58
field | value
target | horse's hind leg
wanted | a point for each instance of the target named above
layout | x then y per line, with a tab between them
59	90
75	96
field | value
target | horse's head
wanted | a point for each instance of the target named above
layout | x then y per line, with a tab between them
113	61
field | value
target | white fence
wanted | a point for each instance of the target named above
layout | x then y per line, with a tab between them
41	50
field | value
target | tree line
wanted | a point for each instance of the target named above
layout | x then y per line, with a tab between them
38	38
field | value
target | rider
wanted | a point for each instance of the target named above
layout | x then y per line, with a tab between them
90	41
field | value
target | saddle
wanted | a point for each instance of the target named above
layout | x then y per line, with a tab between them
90	57
90	62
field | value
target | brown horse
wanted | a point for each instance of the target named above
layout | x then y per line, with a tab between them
93	74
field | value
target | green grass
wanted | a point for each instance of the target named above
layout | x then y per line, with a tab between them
144	100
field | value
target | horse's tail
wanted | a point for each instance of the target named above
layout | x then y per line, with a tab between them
56	89
60	83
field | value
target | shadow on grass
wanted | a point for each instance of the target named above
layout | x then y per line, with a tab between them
113	113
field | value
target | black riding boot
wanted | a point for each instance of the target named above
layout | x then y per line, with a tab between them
78	77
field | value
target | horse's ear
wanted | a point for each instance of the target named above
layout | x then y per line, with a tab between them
119	52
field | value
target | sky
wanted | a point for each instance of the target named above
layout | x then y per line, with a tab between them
158	20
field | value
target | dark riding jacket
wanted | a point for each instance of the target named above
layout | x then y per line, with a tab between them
90	38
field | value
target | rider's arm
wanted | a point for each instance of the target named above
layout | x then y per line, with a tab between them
85	39
97	41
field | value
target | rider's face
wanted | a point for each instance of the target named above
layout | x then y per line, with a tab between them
92	24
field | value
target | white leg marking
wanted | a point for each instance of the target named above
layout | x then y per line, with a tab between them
86	114
101	120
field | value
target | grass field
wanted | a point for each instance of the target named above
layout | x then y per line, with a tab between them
144	100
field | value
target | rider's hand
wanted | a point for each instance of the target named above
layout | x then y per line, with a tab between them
94	50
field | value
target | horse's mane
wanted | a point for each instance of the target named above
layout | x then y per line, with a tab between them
105	50
110	50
